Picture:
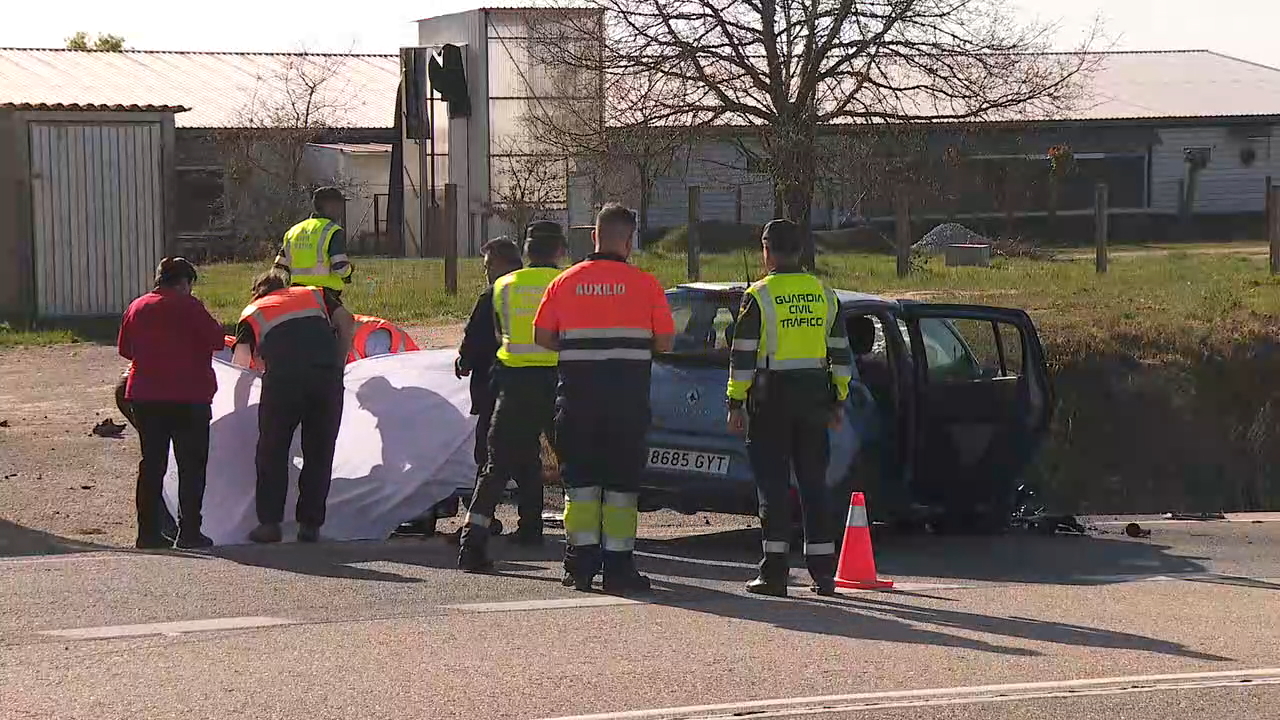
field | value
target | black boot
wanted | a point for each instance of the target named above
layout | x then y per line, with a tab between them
822	568
473	556
621	576
773	577
526	536
192	540
581	563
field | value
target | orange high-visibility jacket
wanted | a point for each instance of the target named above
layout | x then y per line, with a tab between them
366	326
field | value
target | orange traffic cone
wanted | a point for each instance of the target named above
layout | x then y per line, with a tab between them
857	567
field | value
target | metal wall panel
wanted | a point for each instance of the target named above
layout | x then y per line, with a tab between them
98	212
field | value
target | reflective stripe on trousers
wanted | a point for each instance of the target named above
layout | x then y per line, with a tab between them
619	521
582	515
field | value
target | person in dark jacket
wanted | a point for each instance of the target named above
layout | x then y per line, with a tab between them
171	338
480	341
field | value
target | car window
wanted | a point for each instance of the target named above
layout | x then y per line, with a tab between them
947	351
704	323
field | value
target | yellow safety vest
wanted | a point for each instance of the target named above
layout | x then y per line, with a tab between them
796	314
306	252
516	297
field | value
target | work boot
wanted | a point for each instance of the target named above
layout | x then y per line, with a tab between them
822	568
308	533
266	533
579	583
473	559
621	576
525	537
194	540
825	587
150	542
773	577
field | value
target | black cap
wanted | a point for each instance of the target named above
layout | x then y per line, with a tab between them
543	228
543	240
327	193
782	236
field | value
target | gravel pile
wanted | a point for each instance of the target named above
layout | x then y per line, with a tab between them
936	240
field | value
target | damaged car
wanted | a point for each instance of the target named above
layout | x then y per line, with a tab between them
949	408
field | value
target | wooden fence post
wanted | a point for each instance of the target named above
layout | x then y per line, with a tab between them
1273	225
1101	226
451	238
695	251
902	214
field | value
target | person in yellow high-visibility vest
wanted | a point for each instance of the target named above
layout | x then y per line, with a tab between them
314	252
525	378
789	370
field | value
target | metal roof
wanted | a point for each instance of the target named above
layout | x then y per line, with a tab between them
221	89
243	89
356	148
1178	84
83	107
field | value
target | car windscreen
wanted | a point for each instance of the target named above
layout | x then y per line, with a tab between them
704	325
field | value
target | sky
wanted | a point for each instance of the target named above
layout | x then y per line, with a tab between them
1249	29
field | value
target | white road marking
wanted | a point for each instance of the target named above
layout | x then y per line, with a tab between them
793	707
699	561
167	628
555	604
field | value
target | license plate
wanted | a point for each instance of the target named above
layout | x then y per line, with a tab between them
688	461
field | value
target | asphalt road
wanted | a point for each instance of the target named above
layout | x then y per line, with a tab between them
1181	624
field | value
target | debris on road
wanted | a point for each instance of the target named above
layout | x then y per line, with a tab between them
108	429
1134	530
4	423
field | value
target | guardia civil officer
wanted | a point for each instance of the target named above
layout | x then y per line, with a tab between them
314	252
525	378
789	374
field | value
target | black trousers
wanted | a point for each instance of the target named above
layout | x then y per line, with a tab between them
601	444
524	411
484	415
185	427
312	398
788	432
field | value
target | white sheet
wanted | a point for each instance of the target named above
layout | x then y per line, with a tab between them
405	444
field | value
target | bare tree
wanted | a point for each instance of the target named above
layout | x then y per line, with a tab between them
297	101
604	124
524	187
783	69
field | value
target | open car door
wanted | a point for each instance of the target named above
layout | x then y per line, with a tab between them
983	406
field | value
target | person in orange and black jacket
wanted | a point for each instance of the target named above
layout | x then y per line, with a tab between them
301	335
170	338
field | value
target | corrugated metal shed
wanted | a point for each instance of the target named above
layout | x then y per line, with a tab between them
1179	84
89	107
356	148
222	89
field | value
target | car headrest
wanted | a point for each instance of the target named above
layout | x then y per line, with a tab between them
862	334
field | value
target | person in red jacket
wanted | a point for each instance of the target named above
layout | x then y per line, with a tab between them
171	339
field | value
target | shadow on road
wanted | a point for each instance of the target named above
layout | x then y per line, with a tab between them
1026	558
18	540
877	617
335	560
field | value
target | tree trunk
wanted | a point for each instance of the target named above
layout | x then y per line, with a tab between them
646	189
792	154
